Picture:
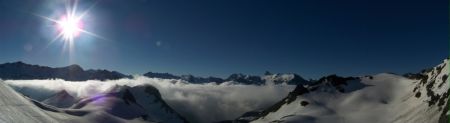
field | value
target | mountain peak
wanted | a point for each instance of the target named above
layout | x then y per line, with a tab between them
267	73
61	99
75	67
18	62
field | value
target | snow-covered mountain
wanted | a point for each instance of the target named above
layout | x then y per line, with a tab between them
142	102
62	99
382	98
289	78
16	108
22	71
138	104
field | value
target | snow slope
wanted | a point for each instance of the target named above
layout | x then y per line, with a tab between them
382	98
61	99
288	78
16	108
138	104
198	103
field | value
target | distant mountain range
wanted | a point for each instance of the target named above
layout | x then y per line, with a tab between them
20	70
382	98
289	78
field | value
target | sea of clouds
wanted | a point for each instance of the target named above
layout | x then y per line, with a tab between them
203	103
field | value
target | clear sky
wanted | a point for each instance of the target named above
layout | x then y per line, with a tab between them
218	37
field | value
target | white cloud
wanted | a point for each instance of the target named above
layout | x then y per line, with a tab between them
197	102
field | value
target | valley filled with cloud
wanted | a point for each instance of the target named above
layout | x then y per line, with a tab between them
209	102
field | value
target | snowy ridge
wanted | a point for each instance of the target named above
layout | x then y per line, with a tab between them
61	99
382	98
16	108
138	104
288	78
433	88
198	103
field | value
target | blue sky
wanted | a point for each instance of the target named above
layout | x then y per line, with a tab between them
218	37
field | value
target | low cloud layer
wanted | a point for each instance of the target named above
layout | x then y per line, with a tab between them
197	102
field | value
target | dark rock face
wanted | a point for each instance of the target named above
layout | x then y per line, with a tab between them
20	70
299	90
128	97
444	79
444	118
429	80
418	94
336	82
304	103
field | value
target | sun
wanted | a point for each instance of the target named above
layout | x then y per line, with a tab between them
69	27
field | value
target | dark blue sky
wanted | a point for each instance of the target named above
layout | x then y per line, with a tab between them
218	37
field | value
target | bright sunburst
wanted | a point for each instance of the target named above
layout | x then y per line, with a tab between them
69	27
70	24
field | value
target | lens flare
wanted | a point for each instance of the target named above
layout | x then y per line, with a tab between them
69	27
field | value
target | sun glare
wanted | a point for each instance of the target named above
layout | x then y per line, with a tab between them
70	27
70	24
